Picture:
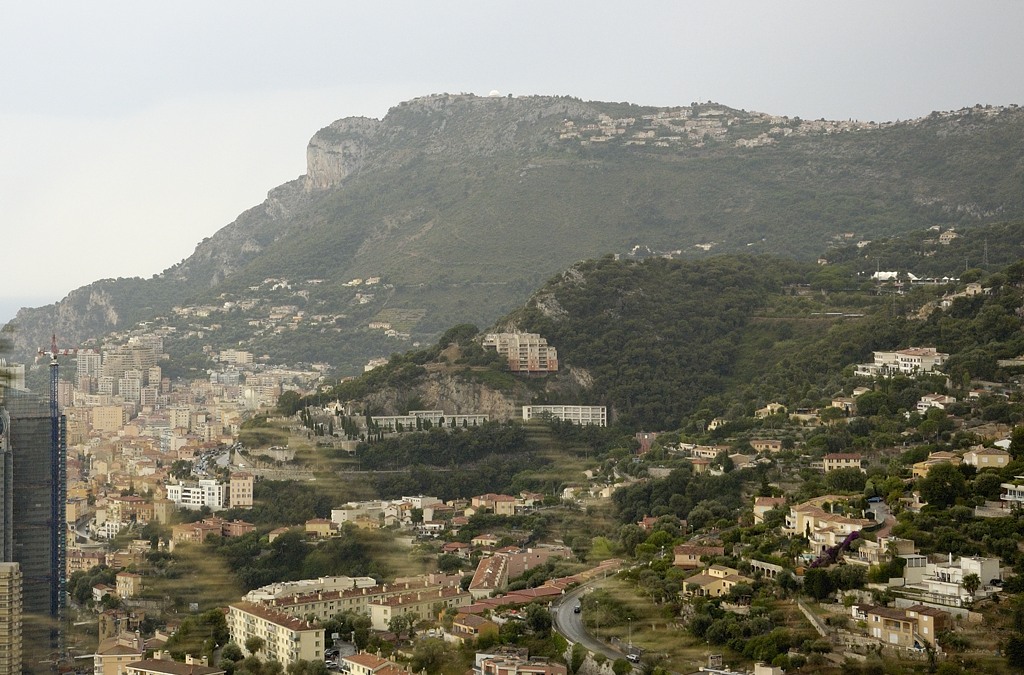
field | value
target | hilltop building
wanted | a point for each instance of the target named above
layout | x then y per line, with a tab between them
526	352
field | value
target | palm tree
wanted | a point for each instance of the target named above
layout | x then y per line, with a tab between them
971	583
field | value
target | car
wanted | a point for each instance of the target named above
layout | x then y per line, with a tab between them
633	658
577	609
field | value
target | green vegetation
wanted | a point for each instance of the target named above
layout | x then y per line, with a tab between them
290	557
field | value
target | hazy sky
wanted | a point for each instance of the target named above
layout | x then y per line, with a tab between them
131	130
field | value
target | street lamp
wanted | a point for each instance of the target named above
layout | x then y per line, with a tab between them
629	628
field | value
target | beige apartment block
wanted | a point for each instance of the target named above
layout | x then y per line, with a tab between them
286	639
108	418
240	490
526	352
10	618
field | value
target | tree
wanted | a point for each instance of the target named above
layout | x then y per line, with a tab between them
988	484
724	462
1017	442
943	485
818	583
253	644
289	403
538	619
849	479
972	582
577	657
232	652
430	655
1015	651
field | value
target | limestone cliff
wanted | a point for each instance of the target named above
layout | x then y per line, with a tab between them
337	151
453	394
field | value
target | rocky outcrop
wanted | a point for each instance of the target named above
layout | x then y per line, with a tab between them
85	313
337	151
451	393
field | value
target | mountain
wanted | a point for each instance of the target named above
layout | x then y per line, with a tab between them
456	207
668	344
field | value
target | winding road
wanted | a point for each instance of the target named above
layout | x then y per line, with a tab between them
570	624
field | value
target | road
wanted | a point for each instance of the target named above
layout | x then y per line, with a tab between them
570	625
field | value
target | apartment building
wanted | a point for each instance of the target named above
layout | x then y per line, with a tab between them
129	509
113	656
240	490
419	419
493	572
512	664
10	617
315	600
422	604
286	639
195	495
526	352
577	414
129	584
163	664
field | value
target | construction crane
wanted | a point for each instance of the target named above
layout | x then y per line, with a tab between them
58	493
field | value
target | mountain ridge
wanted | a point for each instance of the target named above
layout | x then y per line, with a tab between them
463	204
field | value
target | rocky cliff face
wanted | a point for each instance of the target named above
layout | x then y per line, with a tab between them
85	313
337	151
451	393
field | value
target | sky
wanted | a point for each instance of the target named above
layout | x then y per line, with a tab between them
130	131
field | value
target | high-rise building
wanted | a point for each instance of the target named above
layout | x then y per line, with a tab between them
34	521
6	486
89	363
10	618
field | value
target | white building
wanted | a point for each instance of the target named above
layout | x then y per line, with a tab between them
577	414
196	495
1013	492
943	582
417	419
910	361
